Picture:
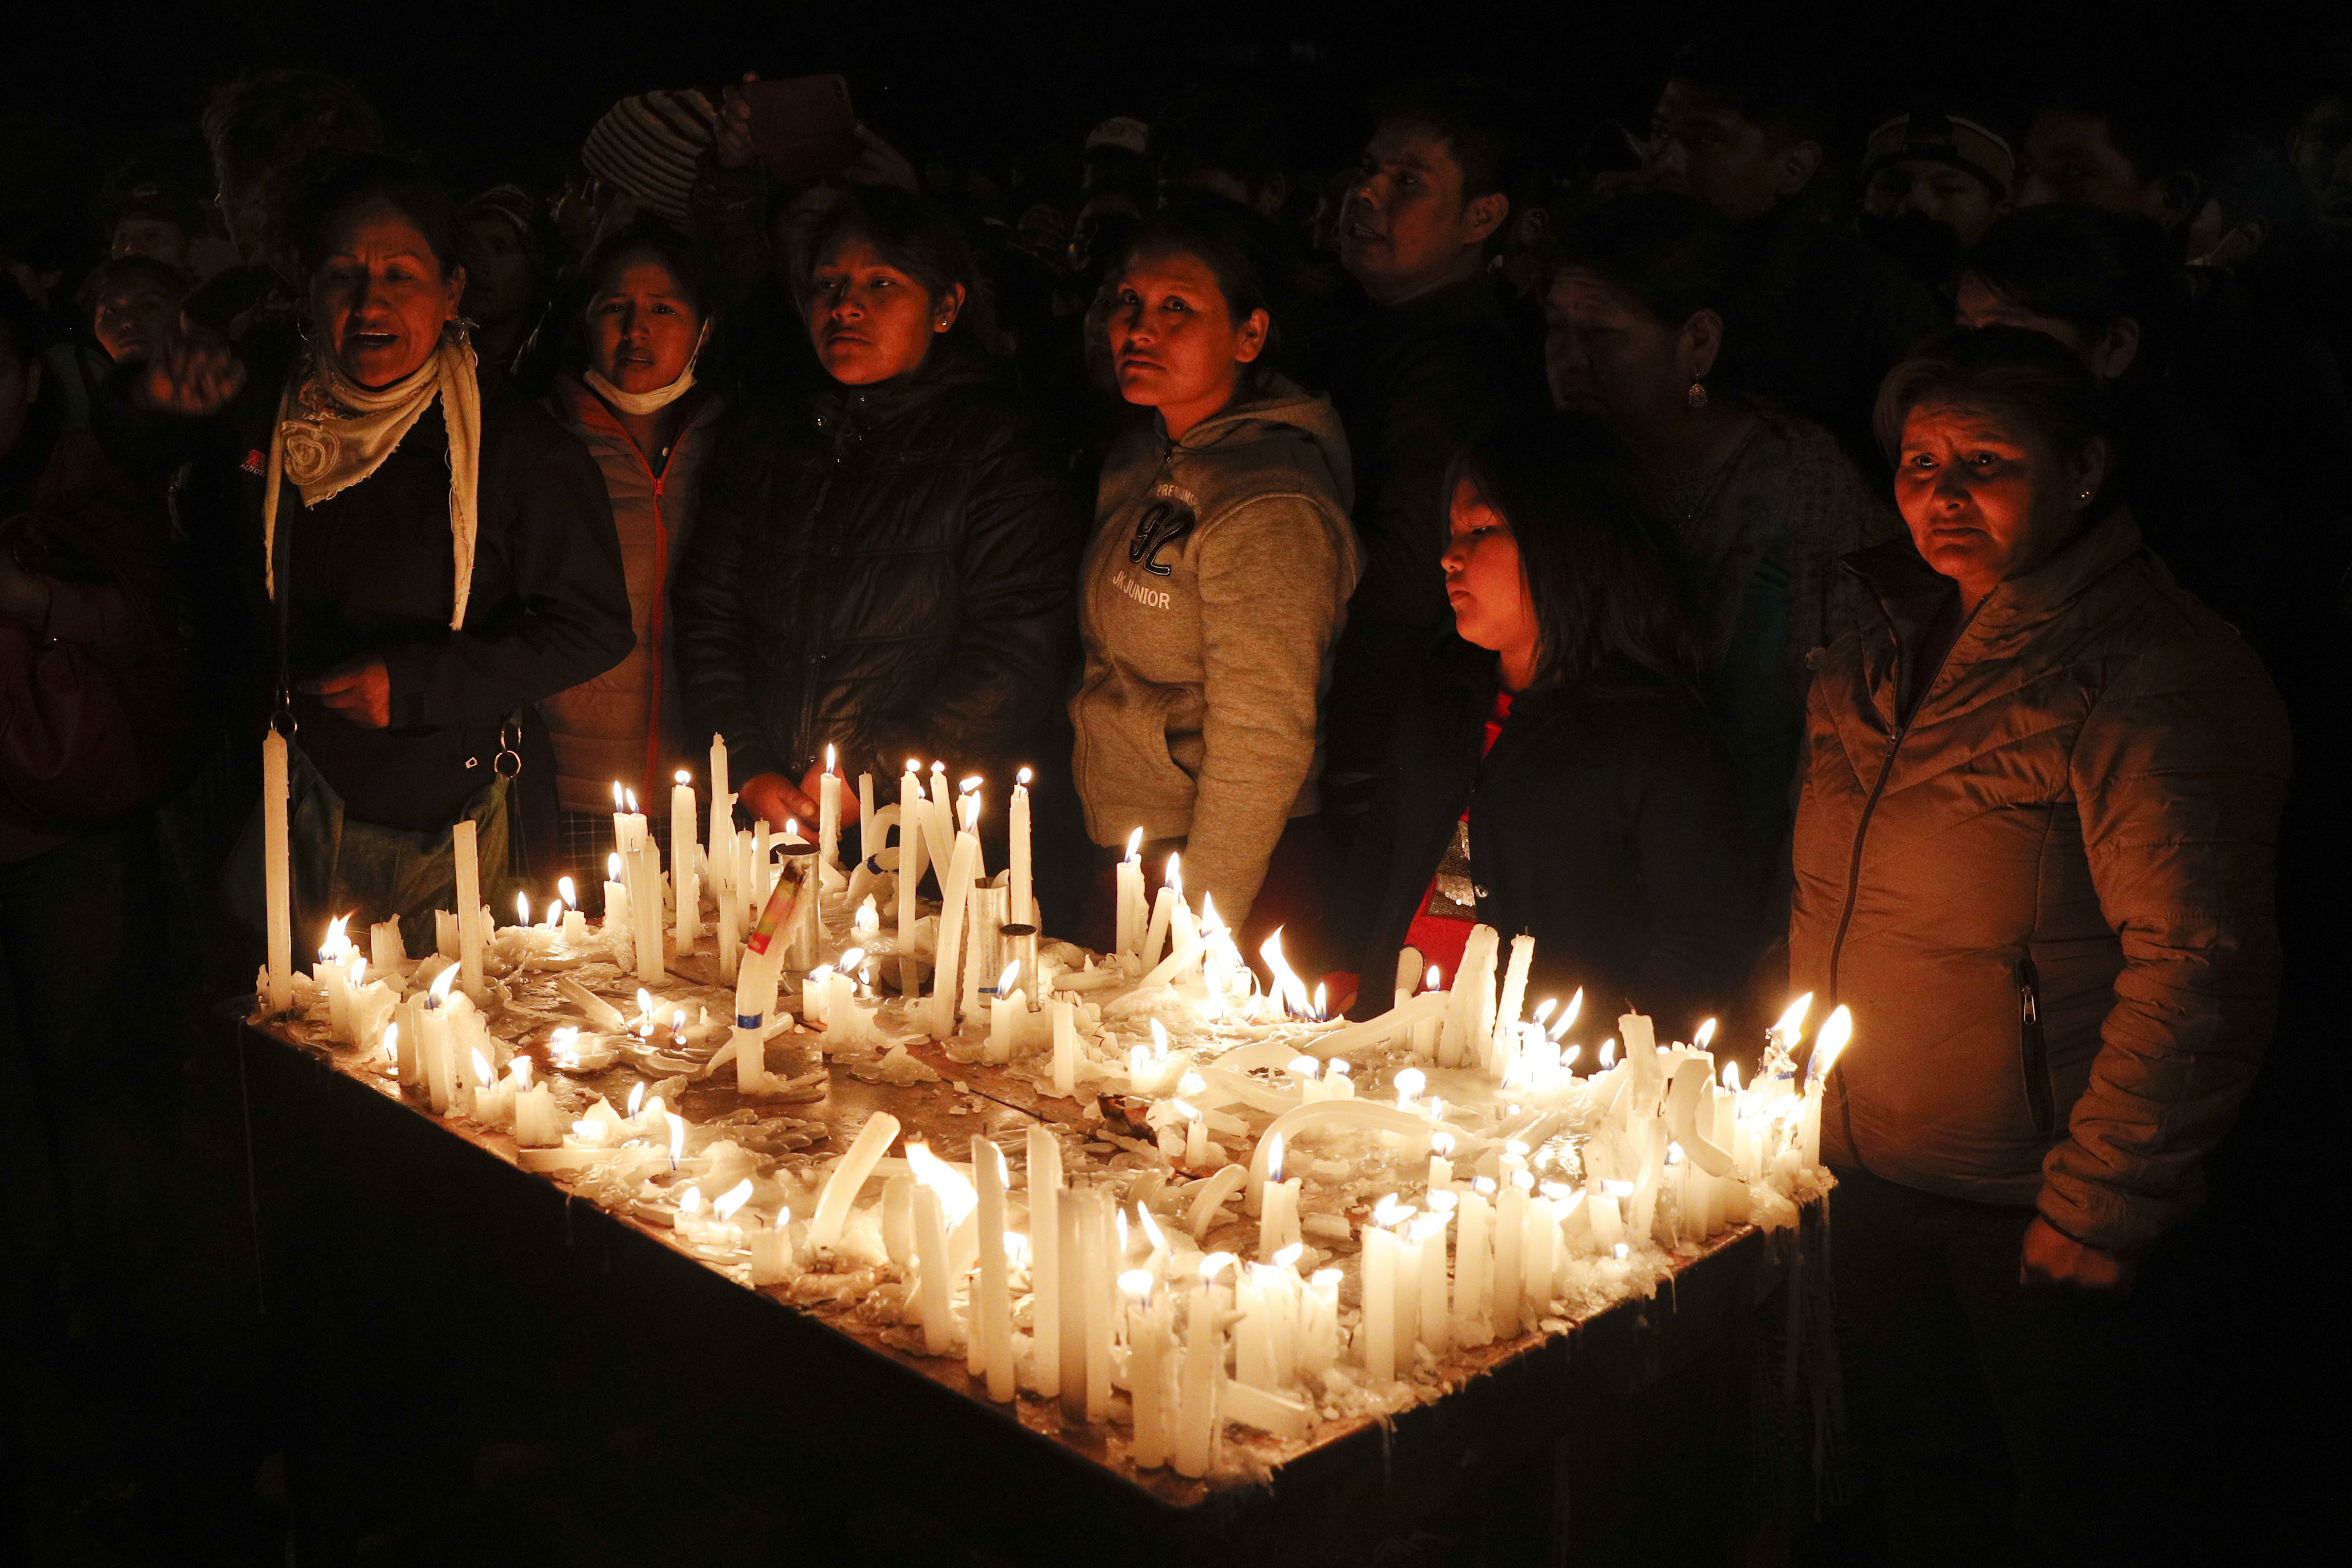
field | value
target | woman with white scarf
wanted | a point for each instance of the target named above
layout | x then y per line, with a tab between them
433	562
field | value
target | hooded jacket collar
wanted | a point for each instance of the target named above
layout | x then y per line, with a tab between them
846	413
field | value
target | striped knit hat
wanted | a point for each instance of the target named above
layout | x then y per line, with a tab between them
647	146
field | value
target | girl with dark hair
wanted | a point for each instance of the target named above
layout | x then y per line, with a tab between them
1218	578
513	257
435	559
2035	855
1555	772
1761	503
652	427
885	570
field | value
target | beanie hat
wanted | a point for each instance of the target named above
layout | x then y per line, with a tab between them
1123	131
1943	138
648	146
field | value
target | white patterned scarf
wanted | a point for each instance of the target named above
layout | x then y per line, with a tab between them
332	433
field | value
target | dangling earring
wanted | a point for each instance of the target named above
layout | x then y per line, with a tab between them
1697	397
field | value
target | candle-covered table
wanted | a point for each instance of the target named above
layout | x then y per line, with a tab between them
1144	1203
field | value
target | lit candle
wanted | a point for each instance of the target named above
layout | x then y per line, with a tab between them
1133	913
771	1251
955	885
931	1258
828	812
1151	1337
1425	1030
910	873
992	1290
433	1047
619	933
1441	1162
1019	911
1204	1365
722	819
463	838
1836	1030
1278	1222
682	876
277	870
1011	1004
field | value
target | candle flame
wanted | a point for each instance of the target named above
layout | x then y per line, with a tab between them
1305	1066
1617	1189
391	1042
1440	1144
1022	777
1188	1112
1568	1058
1213	1264
613	866
1482	1186
1136	1282
1836	1030
1705	1034
1322	1010
523	909
1173	876
1151	1231
632	797
851	959
1514	1149
1674	1153
692	1201
1443	1201
482	1073
1192	1083
1428	1225
565	891
956	1196
358	971
1792	1022
732	1199
1274	1159
970	806
677	1144
686	778
1209	920
1608	1055
1286	984
678	1022
1158	1040
644	1003
616	794
914	765
1433	981
636	1099
1288	1256
1004	981
335	937
520	1068
1545	1011
1325	1280
1621	1251
829	764
1339	1067
438	992
1568	1015
1409	1085
1389	1212
1135	844
1731	1077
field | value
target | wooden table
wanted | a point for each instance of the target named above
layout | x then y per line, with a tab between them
446	1318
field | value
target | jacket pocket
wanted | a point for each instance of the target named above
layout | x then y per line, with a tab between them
2033	1048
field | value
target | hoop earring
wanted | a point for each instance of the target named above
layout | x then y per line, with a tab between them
1697	398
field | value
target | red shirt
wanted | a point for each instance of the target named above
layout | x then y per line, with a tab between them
1441	927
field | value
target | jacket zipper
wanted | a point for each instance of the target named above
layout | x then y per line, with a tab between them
1870	806
2033	1047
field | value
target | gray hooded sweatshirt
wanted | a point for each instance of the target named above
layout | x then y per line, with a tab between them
1212	593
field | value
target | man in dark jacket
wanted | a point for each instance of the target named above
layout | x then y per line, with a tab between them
1816	316
1432	364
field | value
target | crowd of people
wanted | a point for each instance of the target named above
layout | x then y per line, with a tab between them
1747	562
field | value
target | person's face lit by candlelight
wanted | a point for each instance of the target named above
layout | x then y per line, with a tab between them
1407	228
1174	342
1701	146
1606	354
1487	586
379	298
643	328
133	319
871	320
1986	498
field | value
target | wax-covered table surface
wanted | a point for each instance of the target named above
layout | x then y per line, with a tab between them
858	1399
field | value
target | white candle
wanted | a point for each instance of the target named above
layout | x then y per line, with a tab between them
1437	1324
911	872
841	1189
463	838
828	812
931	1258
1836	1030
278	870
682	874
1063	1014
771	1251
1101	1274
1019	910
1132	913
1204	1365
1473	1273
433	1045
1003	1015
1378	1290
955	887
1045	1259
1150	1337
992	1290
722	817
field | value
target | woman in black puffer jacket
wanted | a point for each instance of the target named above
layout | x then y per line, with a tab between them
888	572
1554	772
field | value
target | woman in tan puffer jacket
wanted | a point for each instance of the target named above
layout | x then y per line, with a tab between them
2034	854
